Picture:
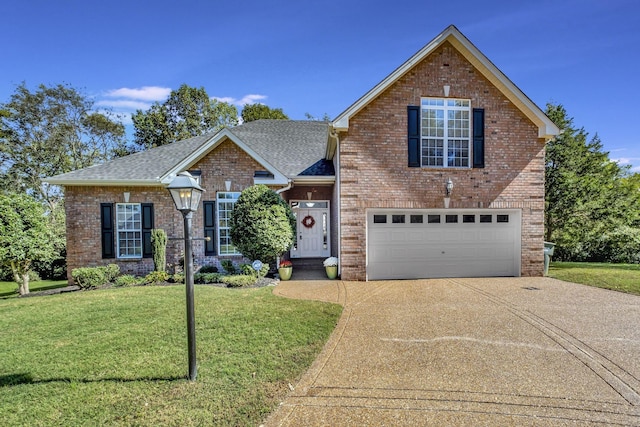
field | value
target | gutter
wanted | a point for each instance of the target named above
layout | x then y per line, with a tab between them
283	189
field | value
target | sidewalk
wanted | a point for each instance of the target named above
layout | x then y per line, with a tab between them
506	351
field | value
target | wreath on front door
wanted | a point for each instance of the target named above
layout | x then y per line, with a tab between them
308	221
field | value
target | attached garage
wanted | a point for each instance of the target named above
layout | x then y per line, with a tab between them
416	244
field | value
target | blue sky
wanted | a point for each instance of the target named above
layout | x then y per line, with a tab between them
318	57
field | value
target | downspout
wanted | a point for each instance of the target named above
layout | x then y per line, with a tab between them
334	134
283	189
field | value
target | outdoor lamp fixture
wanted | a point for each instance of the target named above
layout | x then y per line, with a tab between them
186	194
448	189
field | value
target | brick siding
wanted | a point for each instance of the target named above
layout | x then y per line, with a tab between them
373	157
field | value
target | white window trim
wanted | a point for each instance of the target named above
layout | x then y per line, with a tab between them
125	230
445	138
219	201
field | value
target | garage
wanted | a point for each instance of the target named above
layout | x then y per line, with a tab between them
416	244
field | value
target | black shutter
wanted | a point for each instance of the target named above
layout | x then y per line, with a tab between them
147	226
413	134
209	227
478	137
106	226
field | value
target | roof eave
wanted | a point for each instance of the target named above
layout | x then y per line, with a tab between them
105	182
308	180
546	128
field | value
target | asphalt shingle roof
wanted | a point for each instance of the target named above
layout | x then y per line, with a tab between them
290	146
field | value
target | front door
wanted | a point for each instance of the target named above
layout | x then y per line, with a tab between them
312	232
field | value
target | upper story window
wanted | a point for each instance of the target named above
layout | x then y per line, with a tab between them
225	202
445	132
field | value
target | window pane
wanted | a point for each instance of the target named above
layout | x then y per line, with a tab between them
468	218
451	219
433	219
397	219
502	218
416	219
485	218
379	219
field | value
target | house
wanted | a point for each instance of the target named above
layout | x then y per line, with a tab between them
370	187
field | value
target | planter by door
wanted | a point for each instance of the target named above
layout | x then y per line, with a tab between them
285	273
332	271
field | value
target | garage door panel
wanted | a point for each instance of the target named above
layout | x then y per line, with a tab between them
425	250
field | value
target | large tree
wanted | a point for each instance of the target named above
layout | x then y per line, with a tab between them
186	113
49	131
252	112
25	236
591	201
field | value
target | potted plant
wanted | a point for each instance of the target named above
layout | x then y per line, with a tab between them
285	268
331	267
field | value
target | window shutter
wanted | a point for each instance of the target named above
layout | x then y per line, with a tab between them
106	226
478	137
209	227
413	134
147	226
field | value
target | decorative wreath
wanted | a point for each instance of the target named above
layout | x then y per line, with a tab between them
308	221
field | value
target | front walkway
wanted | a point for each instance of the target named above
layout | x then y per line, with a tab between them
506	351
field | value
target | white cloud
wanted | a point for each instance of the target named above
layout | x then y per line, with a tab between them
145	93
124	104
247	99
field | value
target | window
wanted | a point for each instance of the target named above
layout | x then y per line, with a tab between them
226	201
468	218
397	219
502	218
129	230
485	218
433	219
445	132
379	219
451	219
416	219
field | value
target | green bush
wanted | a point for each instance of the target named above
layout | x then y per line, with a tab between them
92	277
208	269
262	224
159	242
177	278
156	277
248	270
127	280
228	266
208	277
239	281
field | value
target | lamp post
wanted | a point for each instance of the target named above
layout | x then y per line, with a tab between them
186	194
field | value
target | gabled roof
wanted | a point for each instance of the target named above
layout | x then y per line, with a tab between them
285	148
546	128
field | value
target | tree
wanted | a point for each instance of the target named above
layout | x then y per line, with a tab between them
252	112
591	204
50	131
24	236
188	112
262	224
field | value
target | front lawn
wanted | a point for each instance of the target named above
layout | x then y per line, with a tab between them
9	289
618	277
119	356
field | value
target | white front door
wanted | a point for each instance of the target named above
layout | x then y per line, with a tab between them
312	233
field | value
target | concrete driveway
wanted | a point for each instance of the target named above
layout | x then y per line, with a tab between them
495	351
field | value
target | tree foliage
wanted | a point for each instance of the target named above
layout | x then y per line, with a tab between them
252	112
50	131
592	210
262	224
25	236
188	112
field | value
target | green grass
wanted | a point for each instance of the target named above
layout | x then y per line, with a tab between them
10	289
119	356
618	277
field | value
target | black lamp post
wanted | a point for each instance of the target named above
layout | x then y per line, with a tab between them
186	194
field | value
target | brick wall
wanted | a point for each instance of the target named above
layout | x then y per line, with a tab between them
82	203
374	172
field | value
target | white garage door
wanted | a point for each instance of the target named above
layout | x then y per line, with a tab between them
415	244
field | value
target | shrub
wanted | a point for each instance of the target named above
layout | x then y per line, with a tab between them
156	277
239	281
208	269
248	270
177	278
228	266
92	277
262	224
127	280
207	277
159	241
